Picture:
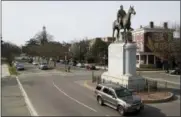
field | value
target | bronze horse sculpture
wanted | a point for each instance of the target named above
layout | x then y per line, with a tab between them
126	22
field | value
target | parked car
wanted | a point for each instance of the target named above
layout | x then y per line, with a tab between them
35	63
43	66
58	61
80	65
119	98
20	66
176	71
30	60
91	67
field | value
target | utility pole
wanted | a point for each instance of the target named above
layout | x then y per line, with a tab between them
79	53
65	60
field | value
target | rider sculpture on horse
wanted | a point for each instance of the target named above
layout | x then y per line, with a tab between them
121	13
123	21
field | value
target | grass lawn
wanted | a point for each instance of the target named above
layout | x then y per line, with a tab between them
12	70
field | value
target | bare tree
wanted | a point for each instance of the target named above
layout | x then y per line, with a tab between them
43	36
167	48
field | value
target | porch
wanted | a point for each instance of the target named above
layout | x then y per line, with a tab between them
146	58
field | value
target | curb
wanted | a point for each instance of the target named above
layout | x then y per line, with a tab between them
88	86
27	100
166	99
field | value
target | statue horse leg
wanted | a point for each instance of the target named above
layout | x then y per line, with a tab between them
113	32
125	40
118	34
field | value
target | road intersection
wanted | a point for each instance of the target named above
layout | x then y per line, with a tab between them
57	93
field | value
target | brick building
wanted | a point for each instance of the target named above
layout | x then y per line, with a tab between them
141	36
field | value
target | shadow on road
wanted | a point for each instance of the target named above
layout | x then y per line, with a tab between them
148	111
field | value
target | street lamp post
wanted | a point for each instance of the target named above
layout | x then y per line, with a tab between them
79	53
65	60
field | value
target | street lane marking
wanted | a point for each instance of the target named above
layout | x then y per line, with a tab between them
87	86
73	98
27	100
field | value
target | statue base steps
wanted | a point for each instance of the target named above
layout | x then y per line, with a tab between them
130	82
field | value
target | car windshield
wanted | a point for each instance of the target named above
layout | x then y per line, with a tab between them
122	92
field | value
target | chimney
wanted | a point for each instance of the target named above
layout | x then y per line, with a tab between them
151	24
165	25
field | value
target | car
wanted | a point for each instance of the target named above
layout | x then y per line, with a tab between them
20	66
91	67
30	60
35	63
176	71
119	98
80	65
58	61
43	66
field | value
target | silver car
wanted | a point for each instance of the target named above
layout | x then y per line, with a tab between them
43	66
19	66
119	98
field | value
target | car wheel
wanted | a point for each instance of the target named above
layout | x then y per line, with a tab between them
100	101
121	110
138	111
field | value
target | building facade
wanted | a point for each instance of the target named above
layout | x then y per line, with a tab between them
142	35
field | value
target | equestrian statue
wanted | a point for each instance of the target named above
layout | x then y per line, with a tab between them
123	21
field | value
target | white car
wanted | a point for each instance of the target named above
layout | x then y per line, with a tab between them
35	63
80	65
43	66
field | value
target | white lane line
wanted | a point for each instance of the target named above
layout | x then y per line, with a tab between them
27	100
107	115
73	98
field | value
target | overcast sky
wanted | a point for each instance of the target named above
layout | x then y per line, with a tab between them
69	20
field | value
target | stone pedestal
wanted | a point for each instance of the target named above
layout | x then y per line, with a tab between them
122	66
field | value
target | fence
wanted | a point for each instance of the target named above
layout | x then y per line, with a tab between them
151	84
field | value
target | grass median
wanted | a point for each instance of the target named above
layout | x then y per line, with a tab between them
12	70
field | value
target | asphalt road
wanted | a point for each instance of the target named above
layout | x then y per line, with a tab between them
56	93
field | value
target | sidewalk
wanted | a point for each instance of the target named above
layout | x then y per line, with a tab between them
4	70
13	103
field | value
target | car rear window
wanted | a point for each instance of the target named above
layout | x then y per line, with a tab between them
99	87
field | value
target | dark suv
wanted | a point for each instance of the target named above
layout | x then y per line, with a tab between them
119	98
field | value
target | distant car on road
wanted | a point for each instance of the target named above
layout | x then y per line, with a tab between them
43	66
35	63
119	98
91	67
20	66
176	71
81	65
30	60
